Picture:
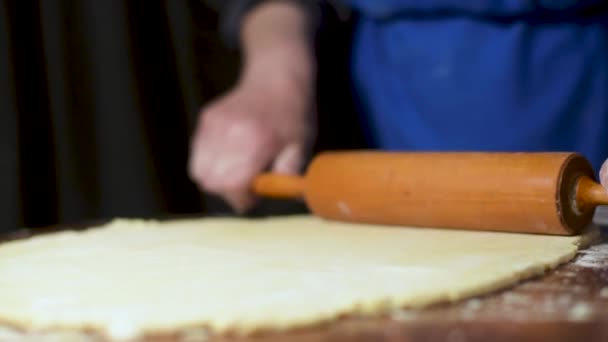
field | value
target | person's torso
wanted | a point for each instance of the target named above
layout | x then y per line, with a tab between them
502	76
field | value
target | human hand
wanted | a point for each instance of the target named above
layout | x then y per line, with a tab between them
266	121
603	174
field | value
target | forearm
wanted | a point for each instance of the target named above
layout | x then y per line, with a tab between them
275	24
277	34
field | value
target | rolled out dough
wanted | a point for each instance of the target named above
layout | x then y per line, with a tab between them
131	276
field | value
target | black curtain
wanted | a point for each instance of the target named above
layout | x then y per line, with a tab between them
98	100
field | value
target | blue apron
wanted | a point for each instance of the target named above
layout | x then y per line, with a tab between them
483	75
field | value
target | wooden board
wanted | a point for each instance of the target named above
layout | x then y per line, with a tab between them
568	304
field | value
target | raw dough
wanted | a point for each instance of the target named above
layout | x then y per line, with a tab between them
131	276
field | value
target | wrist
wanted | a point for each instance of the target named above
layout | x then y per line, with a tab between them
275	25
290	87
284	62
278	54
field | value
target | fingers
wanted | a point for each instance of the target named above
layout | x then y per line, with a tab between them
604	174
227	154
257	125
230	174
289	160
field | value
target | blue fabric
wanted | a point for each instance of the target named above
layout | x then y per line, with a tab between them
388	8
482	75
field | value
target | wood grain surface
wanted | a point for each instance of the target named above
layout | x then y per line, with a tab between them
567	304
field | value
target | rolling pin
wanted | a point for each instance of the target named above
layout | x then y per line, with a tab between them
538	192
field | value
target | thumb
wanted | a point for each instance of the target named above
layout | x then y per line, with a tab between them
289	160
604	174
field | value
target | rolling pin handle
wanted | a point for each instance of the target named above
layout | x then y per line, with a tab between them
590	194
278	186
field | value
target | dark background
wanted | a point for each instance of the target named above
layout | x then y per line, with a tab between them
98	100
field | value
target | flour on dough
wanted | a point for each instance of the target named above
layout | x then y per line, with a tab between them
131	276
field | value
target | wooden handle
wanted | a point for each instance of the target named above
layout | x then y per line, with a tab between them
278	186
590	194
545	193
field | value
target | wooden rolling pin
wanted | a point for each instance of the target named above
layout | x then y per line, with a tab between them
544	193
